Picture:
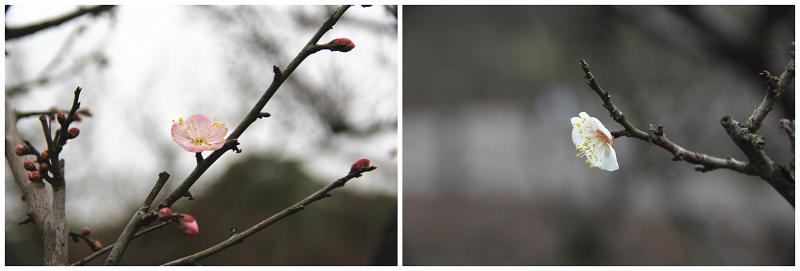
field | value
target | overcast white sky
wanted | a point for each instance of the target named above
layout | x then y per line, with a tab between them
170	62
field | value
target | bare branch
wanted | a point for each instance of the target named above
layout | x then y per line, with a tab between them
775	87
237	238
18	32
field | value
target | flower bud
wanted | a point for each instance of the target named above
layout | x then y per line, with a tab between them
73	132
342	45
76	117
43	156
34	176
22	149
189	225
96	245
86	230
44	166
61	117
359	165
28	165
164	213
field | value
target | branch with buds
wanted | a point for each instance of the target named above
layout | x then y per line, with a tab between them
361	166
187	223
779	176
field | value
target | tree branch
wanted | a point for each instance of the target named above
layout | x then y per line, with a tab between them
656	134
33	193
255	112
18	32
299	206
136	221
759	163
775	87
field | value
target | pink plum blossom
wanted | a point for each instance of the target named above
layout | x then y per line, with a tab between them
199	133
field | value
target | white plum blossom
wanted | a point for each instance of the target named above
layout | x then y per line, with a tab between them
593	141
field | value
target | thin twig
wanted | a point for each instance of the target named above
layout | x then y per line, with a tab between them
50	113
136	221
18	32
237	238
111	246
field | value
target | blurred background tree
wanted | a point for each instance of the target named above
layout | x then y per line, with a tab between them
490	173
142	67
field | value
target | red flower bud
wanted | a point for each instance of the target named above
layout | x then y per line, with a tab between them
359	165
96	245
73	132
164	213
34	176
44	166
43	156
86	230
28	165
189	225
61	117
342	45
22	149
76	117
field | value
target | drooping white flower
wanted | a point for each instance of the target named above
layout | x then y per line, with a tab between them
593	141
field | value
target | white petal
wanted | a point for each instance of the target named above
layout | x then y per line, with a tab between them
577	139
583	115
609	159
574	121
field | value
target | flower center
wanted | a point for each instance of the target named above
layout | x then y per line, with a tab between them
602	136
199	141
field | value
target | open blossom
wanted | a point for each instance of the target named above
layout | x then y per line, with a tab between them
593	141
199	133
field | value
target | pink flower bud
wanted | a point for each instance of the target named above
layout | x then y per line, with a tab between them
22	149
34	176
189	225
164	213
44	166
28	165
73	132
359	165
86	230
342	45
96	245
43	156
61	117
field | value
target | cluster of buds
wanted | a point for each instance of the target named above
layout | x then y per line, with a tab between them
187	224
36	169
62	118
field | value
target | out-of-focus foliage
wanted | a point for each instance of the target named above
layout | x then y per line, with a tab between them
490	173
